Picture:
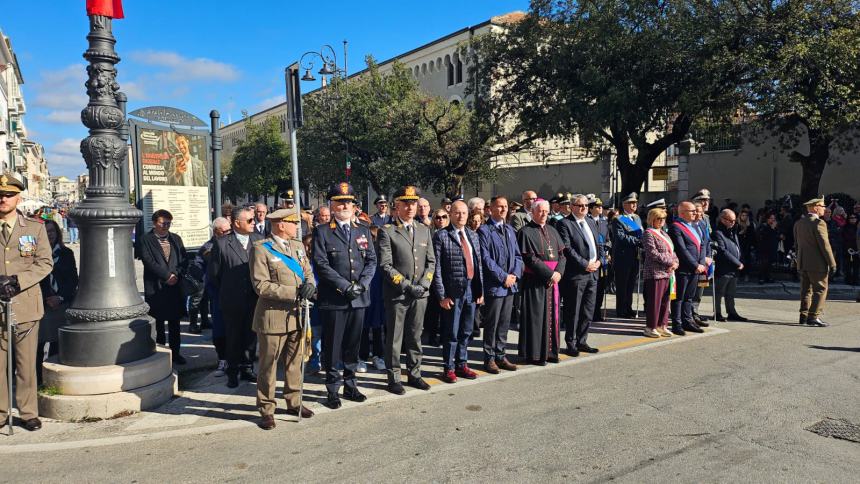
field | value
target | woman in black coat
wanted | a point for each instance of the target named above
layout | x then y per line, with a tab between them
767	247
164	259
746	229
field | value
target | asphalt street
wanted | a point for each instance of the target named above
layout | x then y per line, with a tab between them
728	408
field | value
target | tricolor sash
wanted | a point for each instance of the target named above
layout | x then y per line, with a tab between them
291	263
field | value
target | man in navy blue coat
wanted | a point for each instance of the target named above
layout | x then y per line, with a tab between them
626	231
579	281
691	262
503	267
344	263
729	261
457	283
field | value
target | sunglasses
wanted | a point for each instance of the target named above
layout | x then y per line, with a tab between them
7	194
579	205
249	220
440	217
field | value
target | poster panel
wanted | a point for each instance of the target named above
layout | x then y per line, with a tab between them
173	168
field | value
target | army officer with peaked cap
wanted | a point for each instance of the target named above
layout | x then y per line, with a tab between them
344	264
281	276
407	261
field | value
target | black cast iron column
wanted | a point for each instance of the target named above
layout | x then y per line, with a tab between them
108	322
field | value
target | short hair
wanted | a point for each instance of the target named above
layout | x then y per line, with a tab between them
258	204
654	214
245	212
474	202
220	221
497	198
161	213
726	211
578	197
540	203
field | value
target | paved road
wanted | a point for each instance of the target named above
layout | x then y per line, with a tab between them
728	408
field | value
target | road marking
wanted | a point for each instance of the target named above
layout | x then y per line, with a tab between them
608	351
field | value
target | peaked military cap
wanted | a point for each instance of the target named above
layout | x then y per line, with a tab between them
10	184
815	201
284	215
565	199
703	194
630	198
661	203
341	192
407	193
380	198
446	201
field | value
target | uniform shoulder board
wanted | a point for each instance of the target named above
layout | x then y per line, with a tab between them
333	224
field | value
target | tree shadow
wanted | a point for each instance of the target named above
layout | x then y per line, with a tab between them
834	348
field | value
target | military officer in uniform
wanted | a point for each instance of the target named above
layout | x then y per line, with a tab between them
27	259
407	261
282	277
381	217
344	263
815	261
626	230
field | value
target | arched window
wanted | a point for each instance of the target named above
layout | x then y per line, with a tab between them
458	67
424	69
449	70
432	67
438	63
417	71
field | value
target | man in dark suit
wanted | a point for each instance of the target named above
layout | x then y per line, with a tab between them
626	230
579	283
231	276
262	225
458	286
691	263
344	264
408	264
58	291
502	268
164	259
729	262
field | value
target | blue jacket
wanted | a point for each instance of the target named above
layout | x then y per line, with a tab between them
449	279
495	266
338	263
576	248
625	242
689	255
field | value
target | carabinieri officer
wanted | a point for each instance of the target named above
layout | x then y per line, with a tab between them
344	264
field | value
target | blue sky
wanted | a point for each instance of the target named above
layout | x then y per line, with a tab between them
203	55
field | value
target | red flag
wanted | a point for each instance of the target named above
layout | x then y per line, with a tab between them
106	8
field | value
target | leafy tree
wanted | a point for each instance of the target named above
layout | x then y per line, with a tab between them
633	74
808	83
261	160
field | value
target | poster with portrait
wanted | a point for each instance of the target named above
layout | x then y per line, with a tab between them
172	173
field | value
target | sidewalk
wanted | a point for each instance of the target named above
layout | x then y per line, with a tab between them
206	405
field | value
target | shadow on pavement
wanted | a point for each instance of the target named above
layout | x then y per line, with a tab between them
834	348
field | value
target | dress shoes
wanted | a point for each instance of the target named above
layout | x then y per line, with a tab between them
721	318
178	359
678	330
651	333
552	359
802	320
448	376
332	401
572	352
702	322
504	364
354	395
490	366
32	424
817	322
466	372
232	380
587	349
306	412
738	318
662	331
267	422
418	383
396	388
693	328
247	374
539	363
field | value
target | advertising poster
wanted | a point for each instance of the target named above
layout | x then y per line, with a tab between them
173	176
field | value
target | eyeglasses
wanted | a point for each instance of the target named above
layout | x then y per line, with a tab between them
7	194
728	221
440	217
579	205
532	199
165	224
250	220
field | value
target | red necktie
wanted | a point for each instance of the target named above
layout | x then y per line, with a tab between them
467	254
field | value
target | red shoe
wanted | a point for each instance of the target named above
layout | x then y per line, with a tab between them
466	372
449	377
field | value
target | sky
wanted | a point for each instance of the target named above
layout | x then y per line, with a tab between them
207	54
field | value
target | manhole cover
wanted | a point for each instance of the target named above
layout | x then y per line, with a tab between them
836	428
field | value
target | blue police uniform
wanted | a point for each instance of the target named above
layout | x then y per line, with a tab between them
344	264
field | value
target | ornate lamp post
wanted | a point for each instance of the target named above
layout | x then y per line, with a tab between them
109	330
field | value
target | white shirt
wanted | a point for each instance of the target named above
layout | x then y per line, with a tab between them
243	239
589	236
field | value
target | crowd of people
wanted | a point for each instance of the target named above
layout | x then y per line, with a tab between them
375	287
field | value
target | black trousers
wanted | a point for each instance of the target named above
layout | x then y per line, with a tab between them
372	342
625	284
173	336
598	300
432	318
240	342
682	307
579	299
340	344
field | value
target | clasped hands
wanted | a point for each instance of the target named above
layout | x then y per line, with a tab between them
9	287
354	291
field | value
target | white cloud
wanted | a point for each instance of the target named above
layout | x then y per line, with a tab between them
64	116
61	89
181	68
65	153
268	103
